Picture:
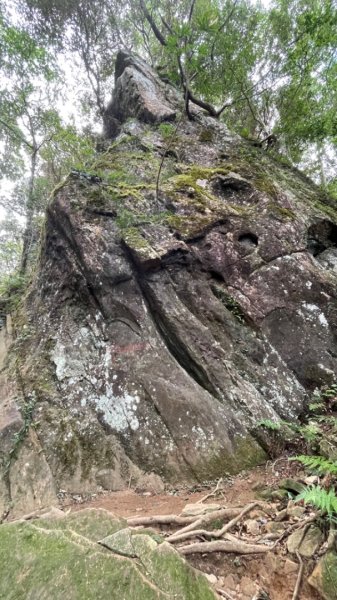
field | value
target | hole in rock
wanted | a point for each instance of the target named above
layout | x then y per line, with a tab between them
250	240
234	188
321	236
227	184
216	275
171	154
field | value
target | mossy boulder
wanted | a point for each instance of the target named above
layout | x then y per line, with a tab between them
62	558
324	576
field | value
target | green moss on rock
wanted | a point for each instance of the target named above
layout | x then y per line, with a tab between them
134	239
281	212
62	558
206	135
324	576
187	227
246	453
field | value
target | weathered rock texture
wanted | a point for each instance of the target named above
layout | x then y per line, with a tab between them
324	576
159	330
93	555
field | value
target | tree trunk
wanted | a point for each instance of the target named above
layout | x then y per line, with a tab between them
28	236
321	165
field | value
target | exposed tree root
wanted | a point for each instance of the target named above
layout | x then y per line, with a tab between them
299	577
301	525
211	494
234	547
221	540
181	520
217	533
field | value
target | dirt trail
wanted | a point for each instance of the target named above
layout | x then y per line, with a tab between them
275	573
128	503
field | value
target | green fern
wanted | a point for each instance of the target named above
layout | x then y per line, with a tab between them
319	464
327	420
324	501
268	424
316	406
331	392
310	432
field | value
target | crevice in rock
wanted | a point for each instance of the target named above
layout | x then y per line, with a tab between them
230	303
271	261
321	236
169	336
56	225
226	184
176	346
176	257
111	214
216	275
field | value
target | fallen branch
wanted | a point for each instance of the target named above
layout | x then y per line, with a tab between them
299	577
231	547
217	533
181	520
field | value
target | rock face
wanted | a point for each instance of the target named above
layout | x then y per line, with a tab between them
139	93
93	555
324	577
161	327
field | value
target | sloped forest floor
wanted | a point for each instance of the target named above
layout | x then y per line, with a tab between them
261	512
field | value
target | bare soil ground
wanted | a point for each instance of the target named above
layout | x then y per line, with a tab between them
275	573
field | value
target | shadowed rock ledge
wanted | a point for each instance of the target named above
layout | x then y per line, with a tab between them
159	330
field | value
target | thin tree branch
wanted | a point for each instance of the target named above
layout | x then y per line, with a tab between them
17	134
190	15
223	24
166	25
161	39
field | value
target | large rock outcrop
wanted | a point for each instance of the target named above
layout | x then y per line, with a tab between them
168	316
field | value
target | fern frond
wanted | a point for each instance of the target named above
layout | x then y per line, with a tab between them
331	392
324	501
269	424
310	432
318	464
316	406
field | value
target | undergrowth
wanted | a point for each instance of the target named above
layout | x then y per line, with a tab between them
314	444
18	438
12	288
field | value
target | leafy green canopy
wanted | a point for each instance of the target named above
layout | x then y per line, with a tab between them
306	34
36	147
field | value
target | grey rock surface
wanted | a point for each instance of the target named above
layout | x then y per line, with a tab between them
161	329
